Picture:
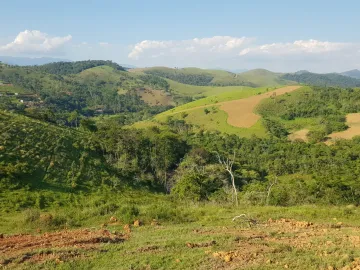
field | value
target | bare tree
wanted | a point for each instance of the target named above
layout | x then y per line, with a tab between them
228	163
271	184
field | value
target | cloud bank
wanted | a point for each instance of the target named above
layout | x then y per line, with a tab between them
212	46
230	52
35	42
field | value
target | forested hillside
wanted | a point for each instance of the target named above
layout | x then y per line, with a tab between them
66	68
205	77
63	92
330	79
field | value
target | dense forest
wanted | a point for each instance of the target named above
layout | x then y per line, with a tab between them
330	79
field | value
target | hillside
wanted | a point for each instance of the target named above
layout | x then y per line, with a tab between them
355	73
37	156
101	194
231	112
262	77
85	88
205	77
330	79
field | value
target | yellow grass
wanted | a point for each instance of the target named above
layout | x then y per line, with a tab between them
241	112
299	134
353	121
155	97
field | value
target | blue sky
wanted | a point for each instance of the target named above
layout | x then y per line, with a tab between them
279	35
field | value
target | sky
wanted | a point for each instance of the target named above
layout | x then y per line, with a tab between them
283	36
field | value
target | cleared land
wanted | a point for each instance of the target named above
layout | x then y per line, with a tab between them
216	100
353	121
269	238
299	135
241	112
154	97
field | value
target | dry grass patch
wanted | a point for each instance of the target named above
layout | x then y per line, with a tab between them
241	112
353	121
154	97
299	135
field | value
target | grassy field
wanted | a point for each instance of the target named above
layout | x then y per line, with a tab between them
209	114
202	91
196	236
217	119
213	100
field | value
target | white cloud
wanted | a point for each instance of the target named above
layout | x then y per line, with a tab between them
299	46
211	45
34	41
104	44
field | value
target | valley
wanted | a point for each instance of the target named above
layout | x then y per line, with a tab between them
103	168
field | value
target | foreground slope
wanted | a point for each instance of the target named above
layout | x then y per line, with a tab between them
41	156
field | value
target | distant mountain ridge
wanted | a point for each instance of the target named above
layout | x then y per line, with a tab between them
28	61
355	73
210	77
329	79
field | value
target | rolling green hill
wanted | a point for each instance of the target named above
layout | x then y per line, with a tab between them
263	77
85	88
206	77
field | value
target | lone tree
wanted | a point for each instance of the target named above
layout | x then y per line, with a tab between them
228	163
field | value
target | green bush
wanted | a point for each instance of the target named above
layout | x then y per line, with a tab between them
128	213
31	215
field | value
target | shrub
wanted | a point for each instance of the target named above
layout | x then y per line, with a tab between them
129	213
31	215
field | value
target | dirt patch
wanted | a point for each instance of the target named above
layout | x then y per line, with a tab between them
60	246
155	97
299	135
200	245
259	246
353	121
241	112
